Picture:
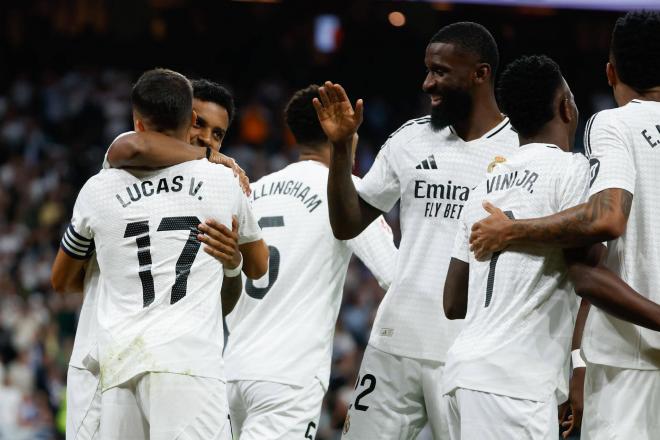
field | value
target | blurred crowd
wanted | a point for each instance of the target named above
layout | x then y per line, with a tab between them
54	131
59	112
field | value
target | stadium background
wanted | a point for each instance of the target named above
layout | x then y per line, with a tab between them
66	69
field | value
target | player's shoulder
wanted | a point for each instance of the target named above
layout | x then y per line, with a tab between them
411	129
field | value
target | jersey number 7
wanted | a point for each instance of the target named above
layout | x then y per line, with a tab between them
140	230
491	271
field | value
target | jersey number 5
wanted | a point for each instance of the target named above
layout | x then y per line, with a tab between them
140	230
273	260
491	271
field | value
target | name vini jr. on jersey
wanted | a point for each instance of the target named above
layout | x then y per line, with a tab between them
451	193
502	182
148	188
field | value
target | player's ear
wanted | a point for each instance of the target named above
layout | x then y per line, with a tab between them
565	109
139	125
193	121
612	77
482	73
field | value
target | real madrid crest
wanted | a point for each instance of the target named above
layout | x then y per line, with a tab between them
498	159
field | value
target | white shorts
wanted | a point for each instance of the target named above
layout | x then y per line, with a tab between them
165	406
473	415
621	404
268	410
395	397
83	404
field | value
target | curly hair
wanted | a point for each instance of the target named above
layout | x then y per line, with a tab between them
635	49
301	117
472	38
526	92
209	91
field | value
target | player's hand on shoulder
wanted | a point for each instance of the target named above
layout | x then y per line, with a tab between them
487	235
336	114
220	242
221	159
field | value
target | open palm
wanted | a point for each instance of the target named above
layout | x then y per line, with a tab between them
336	115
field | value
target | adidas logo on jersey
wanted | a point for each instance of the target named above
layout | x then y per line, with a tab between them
427	164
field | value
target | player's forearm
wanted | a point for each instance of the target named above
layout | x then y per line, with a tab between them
609	293
151	149
67	275
347	215
580	321
255	259
455	294
230	293
602	218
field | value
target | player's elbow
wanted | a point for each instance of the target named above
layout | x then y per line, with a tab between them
61	283
126	148
256	260
580	275
341	231
453	307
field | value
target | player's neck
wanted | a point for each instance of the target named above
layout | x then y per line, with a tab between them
627	94
484	117
319	154
548	135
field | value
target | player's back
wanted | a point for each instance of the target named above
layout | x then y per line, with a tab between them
159	305
623	145
296	305
520	303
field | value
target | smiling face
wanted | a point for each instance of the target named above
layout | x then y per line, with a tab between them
211	126
449	82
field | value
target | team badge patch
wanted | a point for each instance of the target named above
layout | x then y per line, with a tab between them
498	159
347	423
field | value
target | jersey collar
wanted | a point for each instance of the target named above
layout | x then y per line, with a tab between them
489	134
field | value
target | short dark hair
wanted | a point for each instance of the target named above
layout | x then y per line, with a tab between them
635	49
527	91
164	98
210	91
473	38
301	117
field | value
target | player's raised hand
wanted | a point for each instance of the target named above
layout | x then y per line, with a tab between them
338	118
220	242
487	234
221	159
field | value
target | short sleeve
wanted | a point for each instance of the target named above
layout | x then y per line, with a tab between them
375	248
610	160
380	186
461	249
248	226
574	185
78	239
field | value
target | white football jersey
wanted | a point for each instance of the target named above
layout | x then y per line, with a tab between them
623	146
84	353
159	306
432	173
282	327
521	305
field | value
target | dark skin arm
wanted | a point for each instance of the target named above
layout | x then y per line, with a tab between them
150	149
67	274
455	295
349	214
602	218
573	421
230	293
605	290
